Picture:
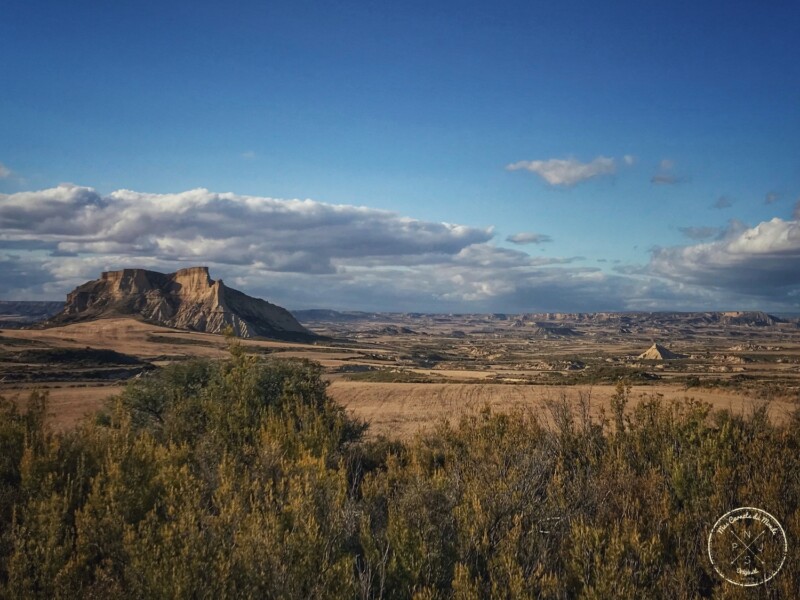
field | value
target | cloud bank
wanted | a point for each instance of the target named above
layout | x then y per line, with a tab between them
279	235
762	261
306	253
299	252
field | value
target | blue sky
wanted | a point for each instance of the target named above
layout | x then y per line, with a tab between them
644	149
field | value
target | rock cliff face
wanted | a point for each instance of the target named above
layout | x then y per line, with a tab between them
186	299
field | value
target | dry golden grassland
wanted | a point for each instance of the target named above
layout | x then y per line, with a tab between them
402	382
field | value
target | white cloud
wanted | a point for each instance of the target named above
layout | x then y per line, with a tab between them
762	261
567	172
294	252
5	172
198	225
526	237
305	253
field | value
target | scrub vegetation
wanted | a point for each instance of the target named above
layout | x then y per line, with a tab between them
242	479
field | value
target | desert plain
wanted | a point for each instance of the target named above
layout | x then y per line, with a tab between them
404	372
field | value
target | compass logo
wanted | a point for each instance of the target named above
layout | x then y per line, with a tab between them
747	546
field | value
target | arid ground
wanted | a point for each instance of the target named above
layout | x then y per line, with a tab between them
405	372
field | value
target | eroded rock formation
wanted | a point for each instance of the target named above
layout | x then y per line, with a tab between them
659	352
186	299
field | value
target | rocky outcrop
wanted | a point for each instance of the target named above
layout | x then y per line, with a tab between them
659	352
186	299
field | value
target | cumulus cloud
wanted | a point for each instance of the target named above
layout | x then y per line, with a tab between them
722	202
298	253
23	277
64	210
5	172
198	225
700	233
526	237
760	261
305	253
71	233
568	172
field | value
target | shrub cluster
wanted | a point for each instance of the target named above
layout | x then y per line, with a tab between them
242	479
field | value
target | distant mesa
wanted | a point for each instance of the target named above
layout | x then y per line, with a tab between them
749	318
187	299
15	314
659	352
323	314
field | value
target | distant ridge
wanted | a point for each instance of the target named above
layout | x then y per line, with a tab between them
325	314
19	313
748	318
186	299
752	318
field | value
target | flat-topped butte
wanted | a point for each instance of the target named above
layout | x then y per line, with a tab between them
186	299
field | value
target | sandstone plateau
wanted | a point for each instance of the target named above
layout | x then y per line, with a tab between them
187	299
